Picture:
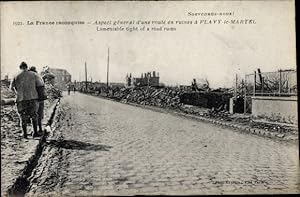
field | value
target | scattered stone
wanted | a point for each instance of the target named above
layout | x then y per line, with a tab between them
281	135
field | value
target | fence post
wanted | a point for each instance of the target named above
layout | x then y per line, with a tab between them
280	82
245	96
254	86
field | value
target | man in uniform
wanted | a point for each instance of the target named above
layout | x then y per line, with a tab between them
25	85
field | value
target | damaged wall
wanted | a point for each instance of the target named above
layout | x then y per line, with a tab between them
282	109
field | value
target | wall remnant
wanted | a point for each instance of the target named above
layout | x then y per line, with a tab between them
281	109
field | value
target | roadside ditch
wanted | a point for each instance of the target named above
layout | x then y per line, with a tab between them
21	183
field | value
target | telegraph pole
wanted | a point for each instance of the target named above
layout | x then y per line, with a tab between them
236	85
107	69
85	76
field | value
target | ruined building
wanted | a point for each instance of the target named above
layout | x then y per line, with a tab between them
146	79
62	77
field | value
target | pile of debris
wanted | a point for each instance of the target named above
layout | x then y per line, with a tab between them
195	110
5	91
52	92
273	127
160	97
176	98
7	95
220	114
9	115
214	113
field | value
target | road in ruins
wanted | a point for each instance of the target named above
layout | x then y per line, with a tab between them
102	147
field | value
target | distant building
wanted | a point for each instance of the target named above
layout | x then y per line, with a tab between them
146	79
62	77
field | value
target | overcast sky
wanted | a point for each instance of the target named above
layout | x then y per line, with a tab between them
215	52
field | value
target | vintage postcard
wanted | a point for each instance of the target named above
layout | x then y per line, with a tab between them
102	98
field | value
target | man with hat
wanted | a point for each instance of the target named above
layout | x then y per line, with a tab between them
25	85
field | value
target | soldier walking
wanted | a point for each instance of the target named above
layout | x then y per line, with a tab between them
25	85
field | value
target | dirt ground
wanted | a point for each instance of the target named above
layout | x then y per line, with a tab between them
15	150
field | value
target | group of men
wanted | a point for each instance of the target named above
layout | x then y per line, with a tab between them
69	87
29	88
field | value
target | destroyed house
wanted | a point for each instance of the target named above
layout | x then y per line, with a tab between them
62	77
147	79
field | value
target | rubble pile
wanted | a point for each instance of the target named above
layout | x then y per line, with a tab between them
208	104
52	92
6	93
160	97
197	103
7	112
195	110
9	115
218	114
273	127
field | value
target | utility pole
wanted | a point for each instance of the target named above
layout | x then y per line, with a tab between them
148	78
254	86
107	68
235	89
85	76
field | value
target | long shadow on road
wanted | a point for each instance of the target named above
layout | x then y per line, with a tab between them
76	145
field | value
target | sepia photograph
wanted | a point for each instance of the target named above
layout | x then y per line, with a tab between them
125	98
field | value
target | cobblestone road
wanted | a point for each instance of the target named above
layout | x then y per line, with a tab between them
104	147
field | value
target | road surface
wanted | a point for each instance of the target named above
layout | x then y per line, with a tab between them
102	147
